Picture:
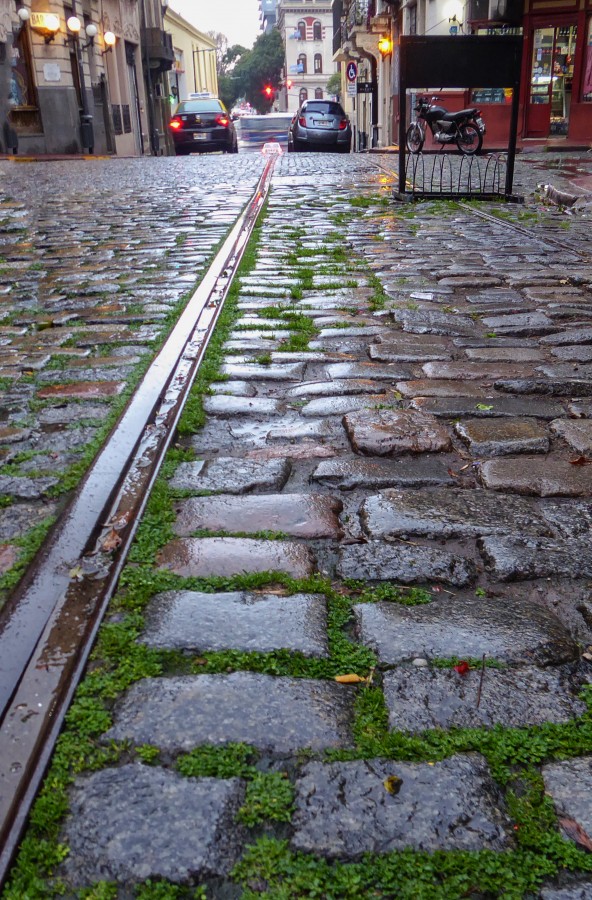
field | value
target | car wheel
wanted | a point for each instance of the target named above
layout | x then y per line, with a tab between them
181	151
234	148
298	146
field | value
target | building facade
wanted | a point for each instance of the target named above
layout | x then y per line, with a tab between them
194	67
307	31
84	77
556	84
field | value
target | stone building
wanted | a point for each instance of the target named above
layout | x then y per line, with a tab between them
87	76
556	83
306	27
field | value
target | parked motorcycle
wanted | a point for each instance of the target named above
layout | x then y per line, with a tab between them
464	128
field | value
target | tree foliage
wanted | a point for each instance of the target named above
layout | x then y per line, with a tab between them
334	85
257	68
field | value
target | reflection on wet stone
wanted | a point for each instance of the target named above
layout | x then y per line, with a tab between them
516	558
348	474
188	825
200	557
503	628
386	432
444	513
538	476
419	699
251	622
232	475
408	564
299	515
344	810
275	714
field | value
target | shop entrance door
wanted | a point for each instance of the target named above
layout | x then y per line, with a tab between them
551	77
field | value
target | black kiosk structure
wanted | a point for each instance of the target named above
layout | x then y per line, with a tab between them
459	61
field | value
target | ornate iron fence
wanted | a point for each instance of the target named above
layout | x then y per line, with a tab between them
455	176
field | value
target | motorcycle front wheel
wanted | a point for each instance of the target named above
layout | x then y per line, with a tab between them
469	139
414	139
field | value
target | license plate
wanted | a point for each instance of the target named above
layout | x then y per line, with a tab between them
322	124
200	136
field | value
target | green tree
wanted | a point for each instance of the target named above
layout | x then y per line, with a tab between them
334	85
258	68
229	84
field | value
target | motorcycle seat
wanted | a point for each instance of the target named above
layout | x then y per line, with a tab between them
461	114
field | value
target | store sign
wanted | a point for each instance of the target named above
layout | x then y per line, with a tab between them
365	87
46	23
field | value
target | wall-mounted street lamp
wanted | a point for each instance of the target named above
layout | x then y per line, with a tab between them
91	32
109	40
74	26
385	45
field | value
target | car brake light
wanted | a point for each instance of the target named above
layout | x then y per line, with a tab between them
222	120
343	124
174	124
302	121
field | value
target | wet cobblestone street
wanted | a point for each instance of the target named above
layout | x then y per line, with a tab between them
350	655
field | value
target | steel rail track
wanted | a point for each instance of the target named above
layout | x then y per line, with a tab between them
547	240
47	632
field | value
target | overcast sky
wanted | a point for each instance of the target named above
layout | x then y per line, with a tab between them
237	19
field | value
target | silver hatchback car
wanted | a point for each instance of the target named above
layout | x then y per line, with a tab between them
320	125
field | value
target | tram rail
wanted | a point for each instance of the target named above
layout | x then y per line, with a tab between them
48	628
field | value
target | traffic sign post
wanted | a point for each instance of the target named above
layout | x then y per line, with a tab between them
351	74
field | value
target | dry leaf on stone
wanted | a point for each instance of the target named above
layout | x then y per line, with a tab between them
392	784
581	461
351	678
575	831
76	574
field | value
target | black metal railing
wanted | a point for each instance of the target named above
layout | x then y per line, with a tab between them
456	176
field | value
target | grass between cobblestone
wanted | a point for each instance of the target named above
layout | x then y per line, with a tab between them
268	866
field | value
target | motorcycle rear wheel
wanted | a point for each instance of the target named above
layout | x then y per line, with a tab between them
414	139
469	139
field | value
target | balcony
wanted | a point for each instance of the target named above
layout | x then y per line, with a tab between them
159	49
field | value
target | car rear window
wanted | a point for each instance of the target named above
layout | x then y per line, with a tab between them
333	109
200	106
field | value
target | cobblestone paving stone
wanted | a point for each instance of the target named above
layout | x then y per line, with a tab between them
92	276
391	488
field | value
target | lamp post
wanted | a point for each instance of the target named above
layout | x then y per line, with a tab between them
86	125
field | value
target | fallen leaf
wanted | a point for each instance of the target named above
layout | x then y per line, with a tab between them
575	831
112	541
581	461
462	667
76	574
352	678
392	784
200	661
453	474
484	406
